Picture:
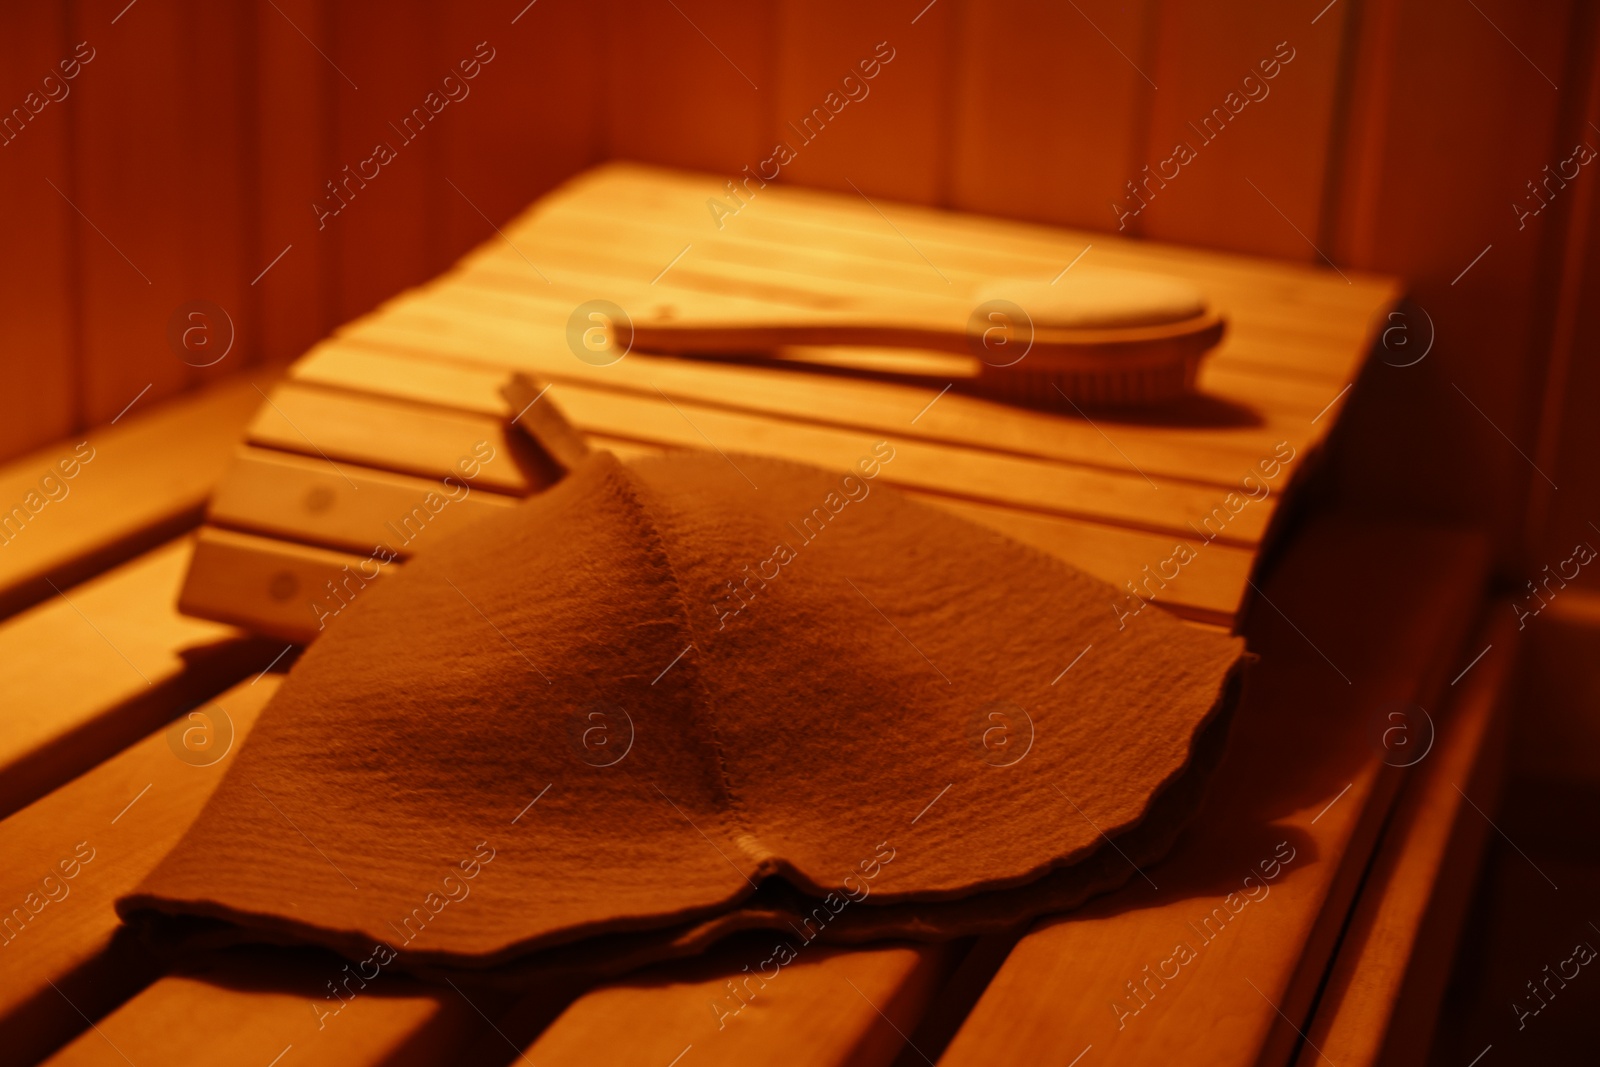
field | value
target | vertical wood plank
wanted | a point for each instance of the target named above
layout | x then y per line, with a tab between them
297	90
1471	116
130	243
382	224
1052	110
1257	147
214	173
533	118
38	356
886	135
690	82
161	162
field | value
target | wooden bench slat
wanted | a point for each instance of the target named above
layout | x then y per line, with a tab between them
782	215
481	337
254	1008
351	427
353	509
132	661
278	588
827	1007
423	441
1383	992
127	812
616	258
147	482
514	325
269	583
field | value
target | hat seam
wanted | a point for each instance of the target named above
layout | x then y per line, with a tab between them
735	828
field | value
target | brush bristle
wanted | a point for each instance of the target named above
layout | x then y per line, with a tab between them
1122	387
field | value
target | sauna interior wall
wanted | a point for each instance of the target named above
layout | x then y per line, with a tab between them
191	156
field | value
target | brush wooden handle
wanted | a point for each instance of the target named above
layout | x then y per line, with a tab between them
1087	337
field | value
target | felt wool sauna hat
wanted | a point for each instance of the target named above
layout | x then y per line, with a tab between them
666	699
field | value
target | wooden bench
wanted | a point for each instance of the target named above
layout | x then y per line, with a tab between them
1349	617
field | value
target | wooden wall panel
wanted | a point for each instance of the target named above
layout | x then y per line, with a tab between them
37	271
690	81
891	137
532	118
1257	147
1468	119
384	228
130	241
161	184
1569	435
1050	119
213	176
294	107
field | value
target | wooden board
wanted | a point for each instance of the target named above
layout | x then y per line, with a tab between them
36	274
111	827
131	486
1310	779
133	660
408	389
1382	999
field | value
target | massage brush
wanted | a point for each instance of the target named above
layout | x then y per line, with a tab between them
1105	338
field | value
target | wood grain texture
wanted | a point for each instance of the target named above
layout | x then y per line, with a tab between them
870	997
256	1007
384	226
1115	496
123	816
296	86
132	245
1383	992
133	661
282	589
296	497
38	271
215	176
146	479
